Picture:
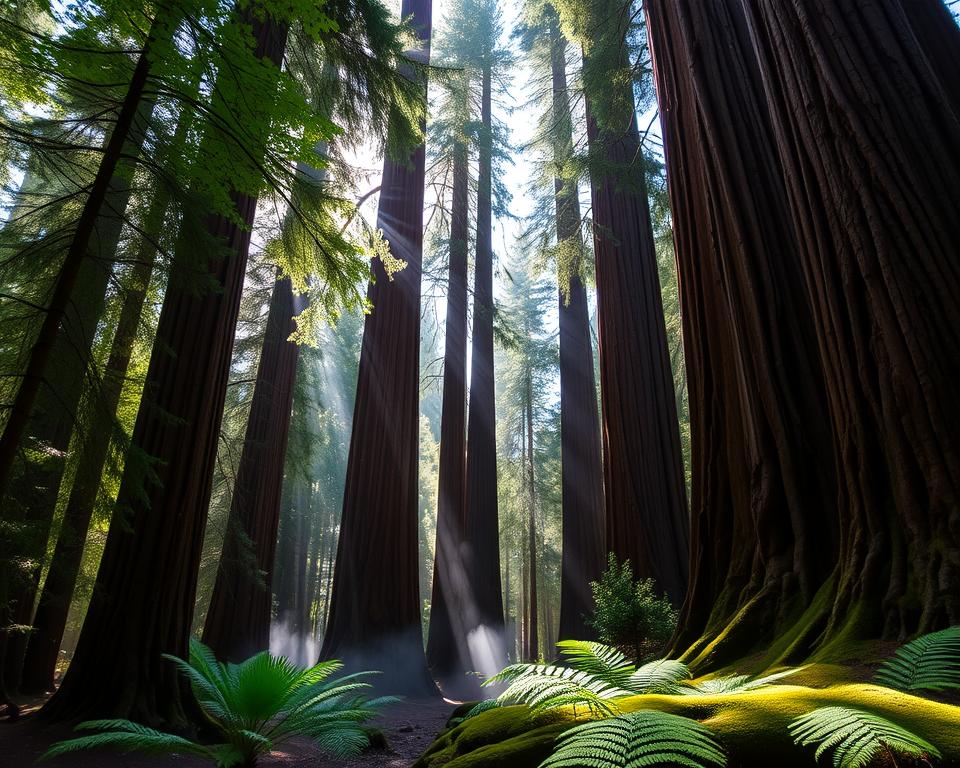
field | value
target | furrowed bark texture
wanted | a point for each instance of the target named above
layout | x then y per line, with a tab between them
144	596
482	532
763	496
647	520
584	547
238	621
375	608
446	651
865	105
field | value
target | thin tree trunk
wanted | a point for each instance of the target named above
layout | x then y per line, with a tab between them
143	600
647	520
482	531
532	521
583	553
375	614
447	653
53	608
238	622
865	106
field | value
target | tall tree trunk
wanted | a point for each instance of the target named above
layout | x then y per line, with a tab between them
647	520
865	106
764	523
238	622
481	527
375	610
35	484
53	608
534	649
447	653
583	553
144	596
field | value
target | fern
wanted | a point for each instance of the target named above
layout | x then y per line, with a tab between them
931	662
255	706
734	683
646	738
856	737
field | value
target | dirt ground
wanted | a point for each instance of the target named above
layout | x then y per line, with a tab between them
409	728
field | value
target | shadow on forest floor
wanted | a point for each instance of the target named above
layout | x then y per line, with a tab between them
409	728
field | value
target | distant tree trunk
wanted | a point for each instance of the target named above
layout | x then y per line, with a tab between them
375	609
54	606
764	521
534	635
647	520
144	596
35	484
238	621
446	650
482	531
865	105
584	549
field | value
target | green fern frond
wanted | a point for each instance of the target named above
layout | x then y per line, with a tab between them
126	736
931	663
543	687
734	683
661	676
602	661
480	707
856	736
637	740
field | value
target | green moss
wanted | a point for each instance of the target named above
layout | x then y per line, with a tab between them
753	726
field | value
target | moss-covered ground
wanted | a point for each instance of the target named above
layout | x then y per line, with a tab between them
753	726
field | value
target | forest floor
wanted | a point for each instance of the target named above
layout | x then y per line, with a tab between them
409	727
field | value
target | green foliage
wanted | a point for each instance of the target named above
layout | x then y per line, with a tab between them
735	683
856	737
645	738
597	675
254	706
931	662
630	614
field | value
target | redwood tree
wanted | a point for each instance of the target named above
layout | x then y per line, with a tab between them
238	621
143	599
763	490
871	160
375	607
647	520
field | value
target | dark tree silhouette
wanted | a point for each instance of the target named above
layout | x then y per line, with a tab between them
375	607
143	599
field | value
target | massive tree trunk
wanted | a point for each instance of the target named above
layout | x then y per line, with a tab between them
238	620
647	520
53	608
764	523
144	596
446	650
583	554
375	610
864	100
484	615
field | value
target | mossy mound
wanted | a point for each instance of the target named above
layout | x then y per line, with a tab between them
752	726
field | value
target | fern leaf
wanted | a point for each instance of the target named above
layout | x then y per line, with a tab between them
856	737
931	662
734	683
637	740
661	676
597	659
126	736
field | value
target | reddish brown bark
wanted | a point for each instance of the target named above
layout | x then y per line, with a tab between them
864	100
584	553
446	651
482	533
238	621
375	607
647	520
143	600
764	529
